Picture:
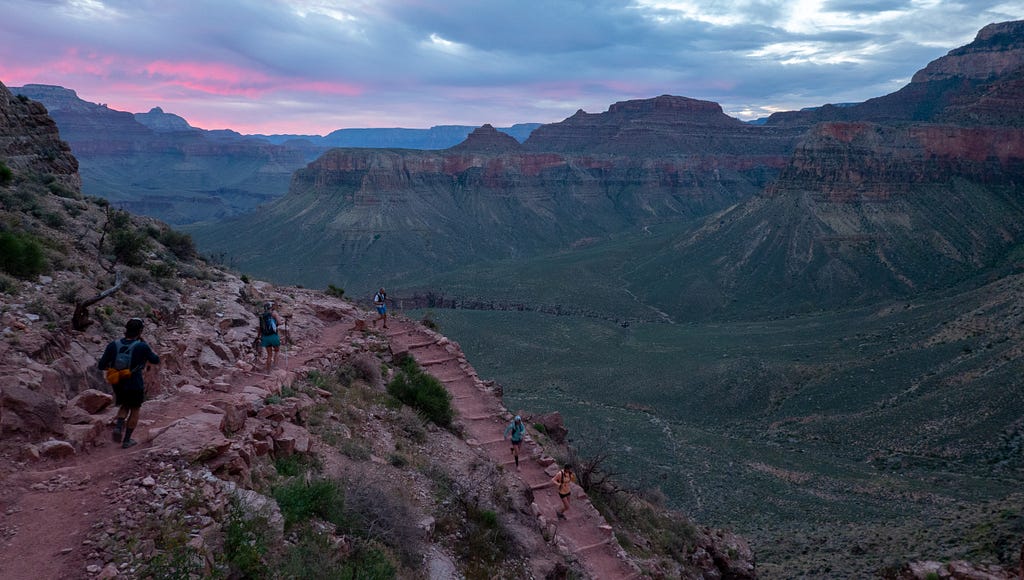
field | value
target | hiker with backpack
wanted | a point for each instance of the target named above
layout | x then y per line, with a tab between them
379	300
123	361
564	481
516	430
270	322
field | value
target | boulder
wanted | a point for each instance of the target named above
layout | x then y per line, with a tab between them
91	401
553	426
56	449
29	412
235	414
197	437
292	439
84	436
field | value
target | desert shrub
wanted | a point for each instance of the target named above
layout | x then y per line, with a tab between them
300	501
354	449
126	242
161	270
205	308
423	392
314	556
246	543
378	511
333	290
179	243
428	321
8	285
6	175
60	190
21	255
244	279
295	465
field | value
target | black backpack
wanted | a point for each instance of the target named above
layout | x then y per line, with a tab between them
267	325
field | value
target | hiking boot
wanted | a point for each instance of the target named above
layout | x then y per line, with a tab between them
129	443
561	516
118	432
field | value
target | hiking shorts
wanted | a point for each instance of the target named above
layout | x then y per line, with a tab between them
382	309
270	341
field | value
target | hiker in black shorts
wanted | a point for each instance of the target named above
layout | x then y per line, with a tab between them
124	360
515	430
564	481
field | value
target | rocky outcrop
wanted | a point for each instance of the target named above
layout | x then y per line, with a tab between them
976	84
30	141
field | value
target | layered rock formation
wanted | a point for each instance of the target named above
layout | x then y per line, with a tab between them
30	141
649	161
891	200
665	126
155	164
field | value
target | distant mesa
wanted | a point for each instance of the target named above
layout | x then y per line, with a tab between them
487	139
161	122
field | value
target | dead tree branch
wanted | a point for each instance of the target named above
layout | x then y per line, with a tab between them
80	319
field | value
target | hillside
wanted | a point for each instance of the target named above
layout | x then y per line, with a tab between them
314	468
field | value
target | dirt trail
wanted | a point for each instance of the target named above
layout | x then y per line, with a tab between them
48	510
585	533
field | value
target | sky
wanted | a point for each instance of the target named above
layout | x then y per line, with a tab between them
313	66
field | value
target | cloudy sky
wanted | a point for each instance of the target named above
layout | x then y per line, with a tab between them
312	66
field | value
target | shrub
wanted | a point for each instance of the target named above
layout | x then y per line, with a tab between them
61	190
245	279
423	392
8	285
245	542
21	255
6	175
300	501
428	321
179	243
333	290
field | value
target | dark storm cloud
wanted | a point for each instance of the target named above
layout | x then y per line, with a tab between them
317	65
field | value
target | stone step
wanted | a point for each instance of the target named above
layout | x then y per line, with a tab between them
437	361
592	546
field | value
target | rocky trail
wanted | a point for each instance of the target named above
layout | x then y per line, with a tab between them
47	511
584	534
50	511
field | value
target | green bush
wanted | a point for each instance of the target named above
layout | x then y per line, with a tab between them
61	190
333	290
21	255
6	175
300	501
245	543
179	243
423	392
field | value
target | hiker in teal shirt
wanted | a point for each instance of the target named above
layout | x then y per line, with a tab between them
516	429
